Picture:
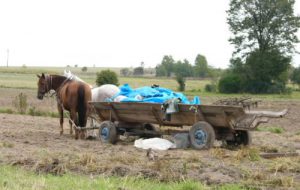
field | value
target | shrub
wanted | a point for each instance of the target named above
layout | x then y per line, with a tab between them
230	83
84	69
181	81
125	72
107	77
34	112
138	71
210	88
20	103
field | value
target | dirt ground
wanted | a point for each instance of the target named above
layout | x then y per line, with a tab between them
34	143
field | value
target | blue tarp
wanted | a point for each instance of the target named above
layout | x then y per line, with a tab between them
153	95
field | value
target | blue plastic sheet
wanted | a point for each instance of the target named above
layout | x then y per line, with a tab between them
153	95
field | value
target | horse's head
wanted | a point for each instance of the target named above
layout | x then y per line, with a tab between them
42	86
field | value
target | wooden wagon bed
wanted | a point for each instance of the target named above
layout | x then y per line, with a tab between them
229	123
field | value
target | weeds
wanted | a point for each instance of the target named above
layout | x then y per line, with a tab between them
218	153
6	145
285	181
52	166
8	110
285	165
251	154
86	159
34	112
20	103
268	149
274	129
125	159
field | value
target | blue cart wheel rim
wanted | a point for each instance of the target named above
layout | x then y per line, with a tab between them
105	133
200	137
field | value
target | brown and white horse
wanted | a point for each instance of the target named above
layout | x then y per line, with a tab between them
72	96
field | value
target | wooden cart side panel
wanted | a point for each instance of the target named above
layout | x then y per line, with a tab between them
218	116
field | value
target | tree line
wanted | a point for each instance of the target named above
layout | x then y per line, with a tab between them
200	68
264	34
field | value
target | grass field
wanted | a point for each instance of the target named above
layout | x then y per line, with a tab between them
14	178
25	78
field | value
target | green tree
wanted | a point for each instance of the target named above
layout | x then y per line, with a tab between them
263	25
295	77
107	77
183	69
125	72
201	66
138	71
264	35
166	66
275	67
160	71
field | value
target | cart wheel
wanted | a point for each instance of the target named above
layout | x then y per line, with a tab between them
108	132
202	135
240	138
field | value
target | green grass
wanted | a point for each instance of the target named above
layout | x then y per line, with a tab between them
53	70
18	78
25	78
273	129
34	112
15	178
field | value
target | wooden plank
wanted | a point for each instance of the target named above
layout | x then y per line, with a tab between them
157	117
276	155
143	112
200	114
114	112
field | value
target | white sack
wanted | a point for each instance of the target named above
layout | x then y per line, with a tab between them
100	94
154	143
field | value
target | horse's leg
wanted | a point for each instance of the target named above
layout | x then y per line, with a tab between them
71	127
74	119
61	118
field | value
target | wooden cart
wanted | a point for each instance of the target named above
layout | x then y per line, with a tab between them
205	123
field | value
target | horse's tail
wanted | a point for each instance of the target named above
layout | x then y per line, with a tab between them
82	106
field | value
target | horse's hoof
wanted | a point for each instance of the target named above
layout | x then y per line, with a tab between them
61	133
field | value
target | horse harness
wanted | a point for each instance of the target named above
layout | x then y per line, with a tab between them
48	87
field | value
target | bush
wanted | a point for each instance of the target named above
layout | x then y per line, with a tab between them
181	81
125	72
138	71
210	88
230	83
34	112
107	77
84	69
257	87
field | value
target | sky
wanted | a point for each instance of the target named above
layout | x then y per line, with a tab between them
115	33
